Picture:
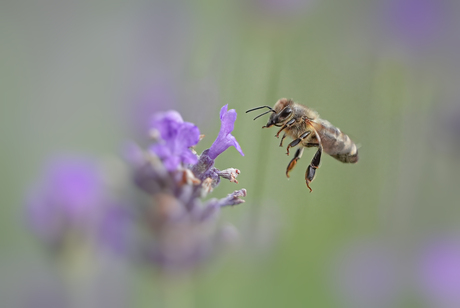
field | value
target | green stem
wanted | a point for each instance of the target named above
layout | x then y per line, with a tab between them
263	148
177	292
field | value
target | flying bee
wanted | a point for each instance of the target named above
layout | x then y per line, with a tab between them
306	128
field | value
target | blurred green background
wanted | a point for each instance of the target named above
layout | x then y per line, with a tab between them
83	76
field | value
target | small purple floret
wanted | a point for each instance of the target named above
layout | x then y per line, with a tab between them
177	138
225	139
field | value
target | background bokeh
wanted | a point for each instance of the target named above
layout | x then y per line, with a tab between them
83	78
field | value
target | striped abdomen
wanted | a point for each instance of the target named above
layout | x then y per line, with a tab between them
336	143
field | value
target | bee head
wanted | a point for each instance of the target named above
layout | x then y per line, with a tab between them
281	113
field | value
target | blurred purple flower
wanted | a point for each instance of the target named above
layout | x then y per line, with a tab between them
69	193
416	23
225	139
439	272
177	137
72	197
366	275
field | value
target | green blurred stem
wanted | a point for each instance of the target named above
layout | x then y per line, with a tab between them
262	165
177	291
75	259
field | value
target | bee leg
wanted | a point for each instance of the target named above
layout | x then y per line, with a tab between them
282	138
311	170
293	144
293	162
296	142
278	133
288	124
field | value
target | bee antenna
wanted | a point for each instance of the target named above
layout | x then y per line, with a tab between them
263	114
257	108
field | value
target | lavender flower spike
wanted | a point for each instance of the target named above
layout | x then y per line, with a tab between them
225	139
177	137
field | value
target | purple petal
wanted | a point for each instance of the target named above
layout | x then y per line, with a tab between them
225	140
178	136
222	144
161	150
168	124
228	121
172	162
223	111
236	145
188	157
188	135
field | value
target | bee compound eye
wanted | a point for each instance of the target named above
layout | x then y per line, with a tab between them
286	112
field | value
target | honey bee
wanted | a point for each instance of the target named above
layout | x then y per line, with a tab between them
306	128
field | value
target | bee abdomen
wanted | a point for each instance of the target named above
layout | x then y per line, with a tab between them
347	158
344	149
338	145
